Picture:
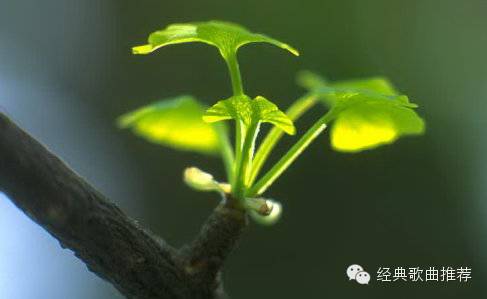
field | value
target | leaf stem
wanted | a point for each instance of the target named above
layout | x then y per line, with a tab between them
233	68
290	156
240	132
244	165
226	151
298	108
240	128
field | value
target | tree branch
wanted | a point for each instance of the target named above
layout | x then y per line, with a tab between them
113	246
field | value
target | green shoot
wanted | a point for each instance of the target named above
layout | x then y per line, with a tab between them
290	156
294	112
362	114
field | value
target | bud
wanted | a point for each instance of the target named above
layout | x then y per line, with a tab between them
225	188
200	180
261	206
268	212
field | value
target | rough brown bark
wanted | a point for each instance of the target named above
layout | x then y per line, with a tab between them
113	246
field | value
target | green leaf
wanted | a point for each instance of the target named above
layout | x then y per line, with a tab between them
364	123
367	112
176	123
313	81
227	37
331	92
375	84
250	112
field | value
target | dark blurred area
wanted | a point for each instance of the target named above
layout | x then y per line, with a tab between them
66	73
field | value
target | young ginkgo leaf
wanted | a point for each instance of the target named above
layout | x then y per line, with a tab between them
366	123
176	123
226	36
380	85
367	113
250	112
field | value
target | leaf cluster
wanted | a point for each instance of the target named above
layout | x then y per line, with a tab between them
363	114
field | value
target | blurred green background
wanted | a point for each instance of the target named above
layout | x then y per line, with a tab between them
66	73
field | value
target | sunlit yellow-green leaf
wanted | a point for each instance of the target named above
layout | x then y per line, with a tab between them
176	123
367	124
367	112
379	85
331	92
226	36
250	111
313	81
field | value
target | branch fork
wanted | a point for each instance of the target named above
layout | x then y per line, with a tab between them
138	263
